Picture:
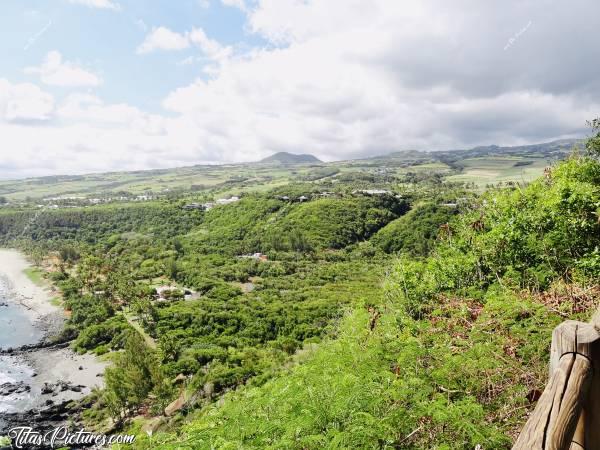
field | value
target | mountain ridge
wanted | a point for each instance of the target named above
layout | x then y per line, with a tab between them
289	158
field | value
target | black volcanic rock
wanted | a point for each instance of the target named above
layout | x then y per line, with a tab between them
13	388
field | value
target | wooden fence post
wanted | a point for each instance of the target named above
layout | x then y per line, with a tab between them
568	412
592	409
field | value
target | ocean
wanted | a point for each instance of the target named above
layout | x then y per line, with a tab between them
16	329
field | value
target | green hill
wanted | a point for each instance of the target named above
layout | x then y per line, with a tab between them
286	158
482	165
449	351
331	223
324	310
417	231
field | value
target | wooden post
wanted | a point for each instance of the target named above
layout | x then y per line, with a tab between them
566	416
592	409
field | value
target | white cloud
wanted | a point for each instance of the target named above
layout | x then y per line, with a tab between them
24	102
82	134
162	38
101	4
209	47
387	76
56	72
187	61
375	77
90	109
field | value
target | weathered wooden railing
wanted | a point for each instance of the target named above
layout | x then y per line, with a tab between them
567	415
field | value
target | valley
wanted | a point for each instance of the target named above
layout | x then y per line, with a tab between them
402	301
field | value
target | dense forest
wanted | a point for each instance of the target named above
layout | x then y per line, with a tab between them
303	319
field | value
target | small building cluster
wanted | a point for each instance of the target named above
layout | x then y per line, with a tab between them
372	192
286	198
165	293
209	205
77	201
255	256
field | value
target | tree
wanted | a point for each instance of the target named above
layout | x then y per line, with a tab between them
593	143
299	242
178	246
145	311
134	374
68	254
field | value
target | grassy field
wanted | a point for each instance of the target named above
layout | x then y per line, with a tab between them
35	275
493	170
482	166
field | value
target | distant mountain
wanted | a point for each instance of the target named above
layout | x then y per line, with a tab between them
545	149
558	146
289	158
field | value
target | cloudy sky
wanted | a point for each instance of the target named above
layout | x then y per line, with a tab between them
102	85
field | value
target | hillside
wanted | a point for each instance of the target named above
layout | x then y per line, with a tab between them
450	352
482	166
363	307
440	347
286	158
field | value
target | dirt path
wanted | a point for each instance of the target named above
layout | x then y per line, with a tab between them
133	321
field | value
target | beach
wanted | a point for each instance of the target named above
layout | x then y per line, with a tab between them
35	379
34	298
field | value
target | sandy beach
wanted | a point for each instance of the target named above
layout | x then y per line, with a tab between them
51	375
81	370
35	299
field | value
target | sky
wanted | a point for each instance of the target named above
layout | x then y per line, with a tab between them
109	85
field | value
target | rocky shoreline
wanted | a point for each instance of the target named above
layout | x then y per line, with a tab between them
33	347
58	393
43	420
44	383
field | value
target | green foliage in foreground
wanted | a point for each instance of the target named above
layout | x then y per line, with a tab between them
443	357
453	354
133	376
405	384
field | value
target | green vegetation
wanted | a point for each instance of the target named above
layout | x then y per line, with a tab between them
247	315
481	165
416	232
134	375
451	353
363	305
35	275
403	384
332	223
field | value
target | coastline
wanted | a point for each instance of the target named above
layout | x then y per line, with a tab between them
34	298
45	377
